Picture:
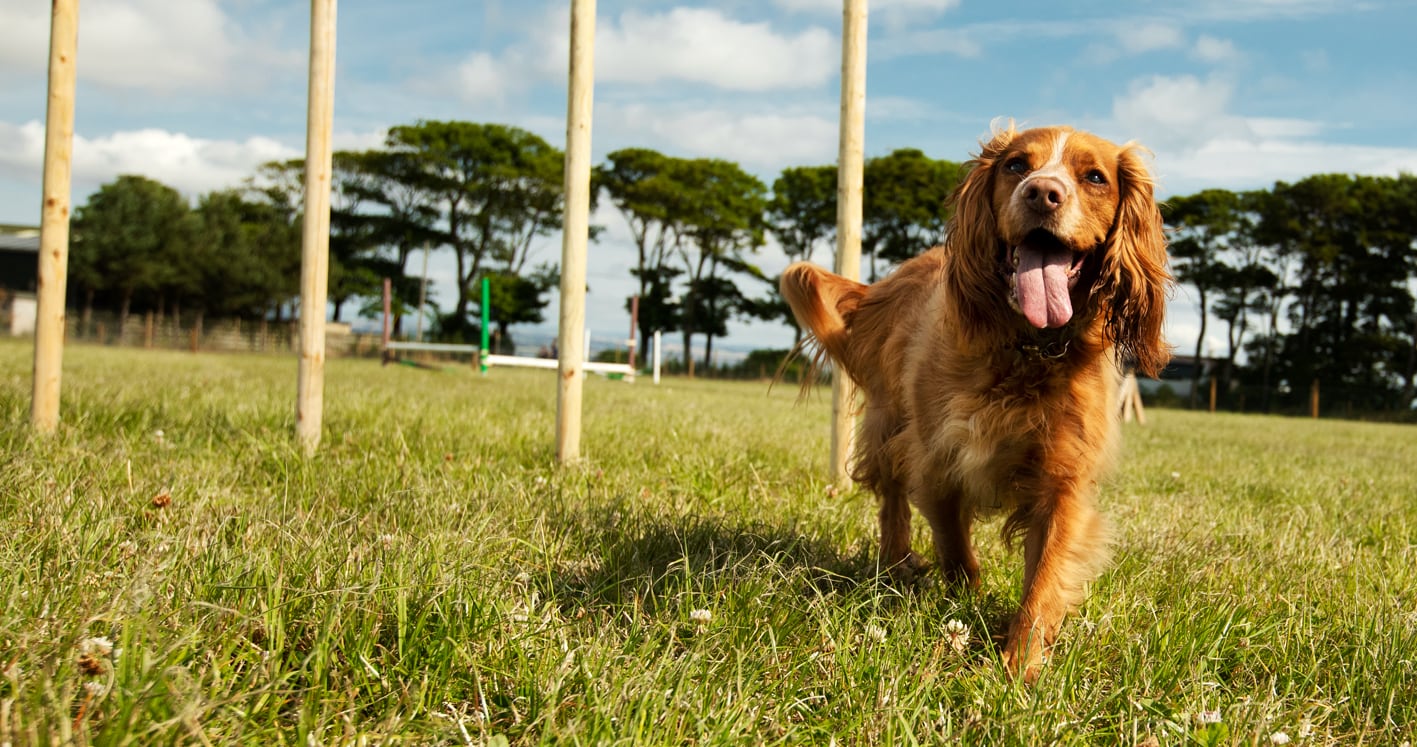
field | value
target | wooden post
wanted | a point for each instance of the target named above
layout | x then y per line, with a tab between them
54	216
657	359
1314	399
575	231
850	176
315	242
1212	394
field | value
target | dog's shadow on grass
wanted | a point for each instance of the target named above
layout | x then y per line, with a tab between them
651	561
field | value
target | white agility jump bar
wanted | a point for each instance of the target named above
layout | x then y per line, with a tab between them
508	360
598	367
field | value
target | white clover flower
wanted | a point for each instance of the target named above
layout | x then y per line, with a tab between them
1279	737
97	646
875	633
1209	717
958	635
701	617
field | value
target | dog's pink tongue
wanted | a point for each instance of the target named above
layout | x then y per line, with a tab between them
1043	284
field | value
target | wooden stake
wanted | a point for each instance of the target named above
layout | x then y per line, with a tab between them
850	177
54	216
1314	399
315	243
575	231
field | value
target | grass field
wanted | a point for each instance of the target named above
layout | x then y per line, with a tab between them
431	577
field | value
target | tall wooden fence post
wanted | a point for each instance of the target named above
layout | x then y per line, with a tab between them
315	242
850	174
54	216
575	231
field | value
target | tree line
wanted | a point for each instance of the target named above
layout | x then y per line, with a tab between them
1310	281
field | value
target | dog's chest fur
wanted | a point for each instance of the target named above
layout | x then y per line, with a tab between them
993	432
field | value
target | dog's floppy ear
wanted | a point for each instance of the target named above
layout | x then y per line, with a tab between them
1134	275
972	242
823	303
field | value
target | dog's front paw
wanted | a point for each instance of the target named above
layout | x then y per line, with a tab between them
1024	657
909	571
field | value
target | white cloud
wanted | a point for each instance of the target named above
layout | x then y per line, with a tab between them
1200	143
151	45
190	164
1149	37
683	45
1177	113
1213	50
701	45
1244	163
482	77
833	7
765	141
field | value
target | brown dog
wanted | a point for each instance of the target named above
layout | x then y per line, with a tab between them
989	363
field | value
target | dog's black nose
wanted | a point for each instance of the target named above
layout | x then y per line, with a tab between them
1044	194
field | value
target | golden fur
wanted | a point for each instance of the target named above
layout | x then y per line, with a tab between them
989	364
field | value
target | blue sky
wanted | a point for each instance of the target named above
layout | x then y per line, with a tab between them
1234	93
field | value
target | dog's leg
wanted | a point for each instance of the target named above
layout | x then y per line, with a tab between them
896	557
1064	546
950	527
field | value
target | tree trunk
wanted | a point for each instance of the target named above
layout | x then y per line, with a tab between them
1200	342
86	319
123	308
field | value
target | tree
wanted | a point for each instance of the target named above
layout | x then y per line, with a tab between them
904	210
641	184
1205	226
130	231
722	214
1352	305
499	188
801	215
388	212
246	249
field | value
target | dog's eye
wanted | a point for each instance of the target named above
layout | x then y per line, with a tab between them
1095	177
1016	166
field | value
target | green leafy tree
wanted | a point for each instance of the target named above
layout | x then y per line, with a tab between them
499	187
130	231
389	212
1205	226
722	222
801	215
642	185
904	208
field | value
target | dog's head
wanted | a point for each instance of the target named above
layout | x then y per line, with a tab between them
1062	227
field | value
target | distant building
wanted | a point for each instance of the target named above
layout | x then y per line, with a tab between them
19	257
19	274
1180	373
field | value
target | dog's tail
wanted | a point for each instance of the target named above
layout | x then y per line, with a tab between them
823	304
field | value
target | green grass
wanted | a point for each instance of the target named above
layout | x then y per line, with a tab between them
431	577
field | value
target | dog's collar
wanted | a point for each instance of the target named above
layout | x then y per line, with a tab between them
1049	348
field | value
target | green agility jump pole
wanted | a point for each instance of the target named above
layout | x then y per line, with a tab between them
486	322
